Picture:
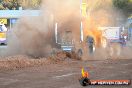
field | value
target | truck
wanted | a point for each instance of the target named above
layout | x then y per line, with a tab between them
64	39
67	42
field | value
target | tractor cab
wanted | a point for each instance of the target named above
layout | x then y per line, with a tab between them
67	42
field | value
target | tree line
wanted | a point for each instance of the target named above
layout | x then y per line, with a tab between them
124	5
15	4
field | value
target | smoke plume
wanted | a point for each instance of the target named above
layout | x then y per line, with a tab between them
36	36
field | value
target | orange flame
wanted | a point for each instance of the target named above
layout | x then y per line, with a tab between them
84	73
90	29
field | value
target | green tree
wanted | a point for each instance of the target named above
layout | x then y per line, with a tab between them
124	5
35	3
1	7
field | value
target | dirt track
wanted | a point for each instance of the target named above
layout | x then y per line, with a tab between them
66	74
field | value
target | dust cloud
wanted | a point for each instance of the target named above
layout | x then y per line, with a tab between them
35	35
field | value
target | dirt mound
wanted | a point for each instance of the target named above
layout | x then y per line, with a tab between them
22	61
73	55
18	62
62	56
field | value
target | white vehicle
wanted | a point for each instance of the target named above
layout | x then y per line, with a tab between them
111	32
3	31
113	39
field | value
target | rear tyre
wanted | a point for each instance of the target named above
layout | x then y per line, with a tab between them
80	53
